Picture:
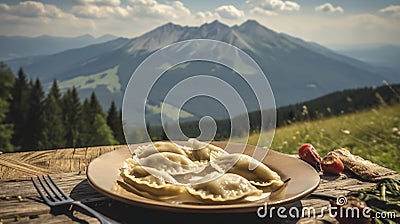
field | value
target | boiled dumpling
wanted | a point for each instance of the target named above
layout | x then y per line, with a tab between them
130	163
171	163
203	151
146	150
151	181
227	187
196	172
262	176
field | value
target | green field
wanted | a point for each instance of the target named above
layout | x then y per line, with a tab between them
108	78
372	134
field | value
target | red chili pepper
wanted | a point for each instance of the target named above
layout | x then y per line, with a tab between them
332	164
308	153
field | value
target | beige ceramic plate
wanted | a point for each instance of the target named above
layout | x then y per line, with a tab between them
103	172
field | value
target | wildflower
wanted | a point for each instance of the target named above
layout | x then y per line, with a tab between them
305	110
329	109
345	131
395	131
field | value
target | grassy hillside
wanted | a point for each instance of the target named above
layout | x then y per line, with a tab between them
108	78
372	134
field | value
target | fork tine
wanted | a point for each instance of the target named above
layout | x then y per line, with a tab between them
47	183
58	188
39	190
54	188
44	185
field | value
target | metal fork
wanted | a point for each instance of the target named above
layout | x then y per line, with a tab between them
54	196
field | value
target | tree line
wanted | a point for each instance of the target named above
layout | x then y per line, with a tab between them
30	119
334	104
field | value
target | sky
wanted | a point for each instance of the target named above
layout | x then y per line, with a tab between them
336	22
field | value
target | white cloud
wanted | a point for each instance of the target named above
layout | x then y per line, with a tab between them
205	15
229	12
328	7
100	9
4	7
135	9
144	2
31	9
31	18
177	5
264	12
393	10
155	10
100	2
97	12
274	5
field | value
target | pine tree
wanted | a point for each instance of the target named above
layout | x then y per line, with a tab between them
121	138
103	135
53	132
94	105
55	91
95	130
19	106
7	80
85	131
34	122
72	118
114	121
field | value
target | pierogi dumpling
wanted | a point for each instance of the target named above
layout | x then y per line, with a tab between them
171	163
147	150
261	176
151	181
203	151
227	187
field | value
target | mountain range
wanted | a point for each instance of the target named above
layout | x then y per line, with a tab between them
384	56
18	46
296	69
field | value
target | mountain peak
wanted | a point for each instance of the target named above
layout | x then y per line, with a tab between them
170	25
214	24
85	36
251	22
252	26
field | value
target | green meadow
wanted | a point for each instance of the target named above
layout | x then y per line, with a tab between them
373	134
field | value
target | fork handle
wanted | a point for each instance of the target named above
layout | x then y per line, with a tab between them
99	216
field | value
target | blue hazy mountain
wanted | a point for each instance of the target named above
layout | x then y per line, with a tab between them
383	56
18	46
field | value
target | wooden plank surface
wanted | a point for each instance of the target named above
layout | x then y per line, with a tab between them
20	203
26	164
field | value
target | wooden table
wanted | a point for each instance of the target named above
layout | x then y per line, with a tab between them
20	203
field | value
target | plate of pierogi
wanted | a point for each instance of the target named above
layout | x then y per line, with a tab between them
194	176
